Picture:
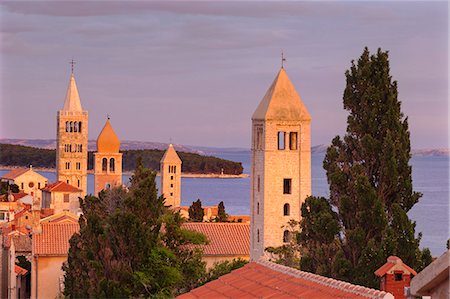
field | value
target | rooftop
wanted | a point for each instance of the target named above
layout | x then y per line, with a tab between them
54	239
264	279
60	187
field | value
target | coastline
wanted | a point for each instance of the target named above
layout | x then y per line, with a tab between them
183	175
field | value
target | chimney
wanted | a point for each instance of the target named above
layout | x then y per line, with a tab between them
395	277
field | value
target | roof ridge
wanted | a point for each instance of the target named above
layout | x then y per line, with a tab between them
330	282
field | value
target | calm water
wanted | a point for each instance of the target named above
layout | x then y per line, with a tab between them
430	176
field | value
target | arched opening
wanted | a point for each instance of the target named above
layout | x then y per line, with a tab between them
79	127
71	126
286	236
286	209
257	235
67	126
81	148
112	164
257	208
104	164
75	127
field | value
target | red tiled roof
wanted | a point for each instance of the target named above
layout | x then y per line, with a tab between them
263	279
60	187
19	270
15	173
392	261
45	212
54	239
16	196
224	238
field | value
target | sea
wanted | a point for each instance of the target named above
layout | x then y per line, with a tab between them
430	177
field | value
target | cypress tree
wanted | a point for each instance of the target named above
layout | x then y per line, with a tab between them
196	212
221	214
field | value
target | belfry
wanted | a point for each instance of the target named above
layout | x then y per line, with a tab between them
281	164
107	160
171	177
72	140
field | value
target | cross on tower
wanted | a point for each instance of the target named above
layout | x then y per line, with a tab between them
72	62
282	59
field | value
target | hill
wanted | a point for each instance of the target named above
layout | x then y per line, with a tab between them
20	155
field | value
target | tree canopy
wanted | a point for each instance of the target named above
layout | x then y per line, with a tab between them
131	245
196	212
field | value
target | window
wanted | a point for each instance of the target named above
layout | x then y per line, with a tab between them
398	276
171	177
70	147
78	183
257	208
286	236
171	185
31	184
112	165
257	235
67	165
108	186
286	209
174	169
26	217
171	194
281	143
104	164
67	181
81	148
259	137
75	127
66	197
39	185
259	182
67	126
79	127
71	126
293	143
287	184
21	186
2	216
78	165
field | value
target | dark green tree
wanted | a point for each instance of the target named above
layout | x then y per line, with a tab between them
370	183
196	212
221	214
131	245
6	187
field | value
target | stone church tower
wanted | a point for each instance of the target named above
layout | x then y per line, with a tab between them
72	140
281	164
171	177
107	160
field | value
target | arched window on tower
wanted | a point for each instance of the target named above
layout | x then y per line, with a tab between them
70	148
71	126
257	235
286	209
104	164
75	127
112	164
257	208
67	126
286	236
81	148
79	126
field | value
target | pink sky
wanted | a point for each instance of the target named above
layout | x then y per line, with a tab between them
195	72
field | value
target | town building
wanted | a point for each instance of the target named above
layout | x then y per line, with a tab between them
395	276
264	279
28	180
171	177
107	160
281	164
60	196
72	140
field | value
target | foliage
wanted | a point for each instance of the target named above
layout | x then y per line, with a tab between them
23	262
350	235
222	216
288	253
6	187
18	155
196	212
131	245
222	268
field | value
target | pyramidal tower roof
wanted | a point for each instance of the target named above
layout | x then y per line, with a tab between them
170	156
72	101
281	102
107	141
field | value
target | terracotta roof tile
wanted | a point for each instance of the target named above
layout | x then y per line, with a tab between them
54	239
392	262
263	279
224	238
60	187
15	173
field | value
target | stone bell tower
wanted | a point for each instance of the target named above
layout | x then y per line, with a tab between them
107	160
281	164
72	140
171	177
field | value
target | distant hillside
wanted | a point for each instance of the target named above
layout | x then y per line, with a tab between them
19	155
202	150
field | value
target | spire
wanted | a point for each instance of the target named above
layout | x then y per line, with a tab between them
170	156
281	102
107	141
72	101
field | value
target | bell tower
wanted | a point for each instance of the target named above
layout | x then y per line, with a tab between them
72	140
281	164
171	177
107	160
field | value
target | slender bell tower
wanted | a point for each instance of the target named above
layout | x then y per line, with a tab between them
281	164
72	139
171	177
107	160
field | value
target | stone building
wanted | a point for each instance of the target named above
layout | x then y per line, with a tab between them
281	164
61	197
28	180
107	160
72	140
171	177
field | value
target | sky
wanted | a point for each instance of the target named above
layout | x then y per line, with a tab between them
194	72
